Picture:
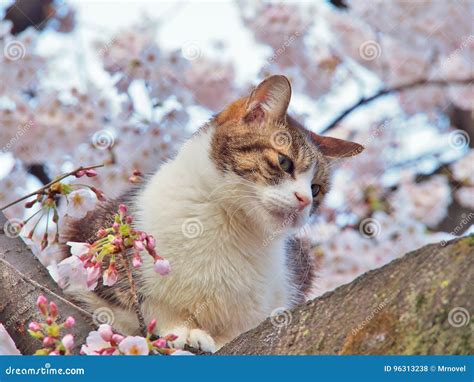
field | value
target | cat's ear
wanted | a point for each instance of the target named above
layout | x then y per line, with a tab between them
270	99
335	147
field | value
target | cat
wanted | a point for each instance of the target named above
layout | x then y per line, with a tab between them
225	212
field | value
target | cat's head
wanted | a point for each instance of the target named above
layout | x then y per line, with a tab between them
275	169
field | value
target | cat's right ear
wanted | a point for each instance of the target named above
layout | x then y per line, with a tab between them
270	99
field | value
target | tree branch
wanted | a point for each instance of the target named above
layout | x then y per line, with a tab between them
396	89
417	304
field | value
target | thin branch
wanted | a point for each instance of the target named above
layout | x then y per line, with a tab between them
45	289
396	89
46	186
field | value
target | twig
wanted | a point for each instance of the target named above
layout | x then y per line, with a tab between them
386	91
45	289
133	292
46	186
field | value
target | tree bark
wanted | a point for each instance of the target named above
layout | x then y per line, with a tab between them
22	279
418	304
410	306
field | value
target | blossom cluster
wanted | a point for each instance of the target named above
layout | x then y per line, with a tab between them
114	243
50	331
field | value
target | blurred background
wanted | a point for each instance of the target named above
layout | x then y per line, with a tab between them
125	83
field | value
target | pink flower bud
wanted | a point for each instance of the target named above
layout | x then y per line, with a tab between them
116	226
137	260
34	326
162	267
117	241
122	210
98	193
70	322
101	233
68	342
129	219
41	304
160	343
90	173
80	173
151	326
117	338
138	245
48	341
53	309
105	331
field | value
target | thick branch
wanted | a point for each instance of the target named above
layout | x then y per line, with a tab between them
419	304
395	89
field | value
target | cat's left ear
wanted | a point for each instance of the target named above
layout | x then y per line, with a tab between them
335	147
270	99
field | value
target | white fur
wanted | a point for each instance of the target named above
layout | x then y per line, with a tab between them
227	275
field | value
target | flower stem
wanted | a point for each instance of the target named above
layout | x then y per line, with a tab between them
133	292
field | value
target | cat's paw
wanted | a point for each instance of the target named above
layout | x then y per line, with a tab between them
200	339
182	334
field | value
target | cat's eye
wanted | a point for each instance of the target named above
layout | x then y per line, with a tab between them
315	190
286	163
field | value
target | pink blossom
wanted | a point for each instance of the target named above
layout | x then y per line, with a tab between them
134	345
110	276
94	344
80	202
79	249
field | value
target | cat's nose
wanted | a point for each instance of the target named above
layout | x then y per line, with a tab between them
303	201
